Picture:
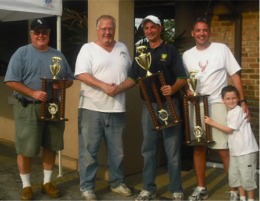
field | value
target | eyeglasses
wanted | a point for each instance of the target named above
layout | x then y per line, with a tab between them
37	33
106	29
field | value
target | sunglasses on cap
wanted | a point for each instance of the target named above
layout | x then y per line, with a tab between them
36	32
201	19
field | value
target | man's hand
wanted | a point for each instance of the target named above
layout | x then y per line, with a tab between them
40	96
166	90
246	110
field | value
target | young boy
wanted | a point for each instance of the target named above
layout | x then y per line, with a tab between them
242	145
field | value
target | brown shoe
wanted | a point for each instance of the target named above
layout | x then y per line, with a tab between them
27	193
50	190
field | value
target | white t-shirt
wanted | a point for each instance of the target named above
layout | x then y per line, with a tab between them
213	64
242	141
109	67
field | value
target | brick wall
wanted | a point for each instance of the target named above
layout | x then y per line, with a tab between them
224	31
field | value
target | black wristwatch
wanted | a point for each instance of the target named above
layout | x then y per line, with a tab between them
241	101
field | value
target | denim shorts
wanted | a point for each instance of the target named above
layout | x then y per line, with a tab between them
33	133
242	171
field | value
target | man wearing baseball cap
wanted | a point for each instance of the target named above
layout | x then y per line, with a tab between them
39	24
151	18
27	66
167	59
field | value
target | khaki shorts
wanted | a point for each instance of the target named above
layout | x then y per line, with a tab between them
33	133
218	112
242	171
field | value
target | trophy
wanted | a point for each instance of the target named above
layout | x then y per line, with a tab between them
55	68
144	60
54	109
192	82
164	118
200	131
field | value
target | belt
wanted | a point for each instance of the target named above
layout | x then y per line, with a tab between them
25	102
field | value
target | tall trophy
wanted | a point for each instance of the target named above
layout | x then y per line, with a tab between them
200	131
54	109
163	118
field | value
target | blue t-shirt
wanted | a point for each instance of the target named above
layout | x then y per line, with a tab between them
28	66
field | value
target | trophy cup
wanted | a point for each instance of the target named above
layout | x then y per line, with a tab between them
192	82
198	129
165	118
54	110
55	68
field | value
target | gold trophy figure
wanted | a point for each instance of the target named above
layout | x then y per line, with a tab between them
192	82
55	67
144	60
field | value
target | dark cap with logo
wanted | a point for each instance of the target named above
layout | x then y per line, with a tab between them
39	24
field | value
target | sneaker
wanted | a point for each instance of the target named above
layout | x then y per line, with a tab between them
145	196
89	195
177	196
27	193
198	195
233	196
51	190
122	189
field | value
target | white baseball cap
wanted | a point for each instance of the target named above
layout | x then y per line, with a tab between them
151	18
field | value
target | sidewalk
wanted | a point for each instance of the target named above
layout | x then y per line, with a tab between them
10	183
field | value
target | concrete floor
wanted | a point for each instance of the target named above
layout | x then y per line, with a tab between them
68	183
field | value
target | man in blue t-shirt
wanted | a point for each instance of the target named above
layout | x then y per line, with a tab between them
27	66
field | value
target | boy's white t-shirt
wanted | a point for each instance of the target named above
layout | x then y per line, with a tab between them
110	67
242	141
213	64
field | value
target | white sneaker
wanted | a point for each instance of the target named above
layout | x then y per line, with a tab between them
145	196
233	196
122	189
89	195
177	196
199	195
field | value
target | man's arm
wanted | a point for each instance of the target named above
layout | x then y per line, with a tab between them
238	84
168	90
127	84
23	89
92	81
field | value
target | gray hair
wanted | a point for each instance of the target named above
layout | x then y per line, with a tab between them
105	17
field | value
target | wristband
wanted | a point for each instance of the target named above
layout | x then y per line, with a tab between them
241	101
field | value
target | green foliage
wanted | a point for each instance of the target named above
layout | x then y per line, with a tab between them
169	30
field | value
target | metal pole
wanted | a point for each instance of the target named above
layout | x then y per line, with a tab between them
59	48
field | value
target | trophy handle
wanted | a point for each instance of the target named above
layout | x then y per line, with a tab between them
169	99
186	120
149	104
43	104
